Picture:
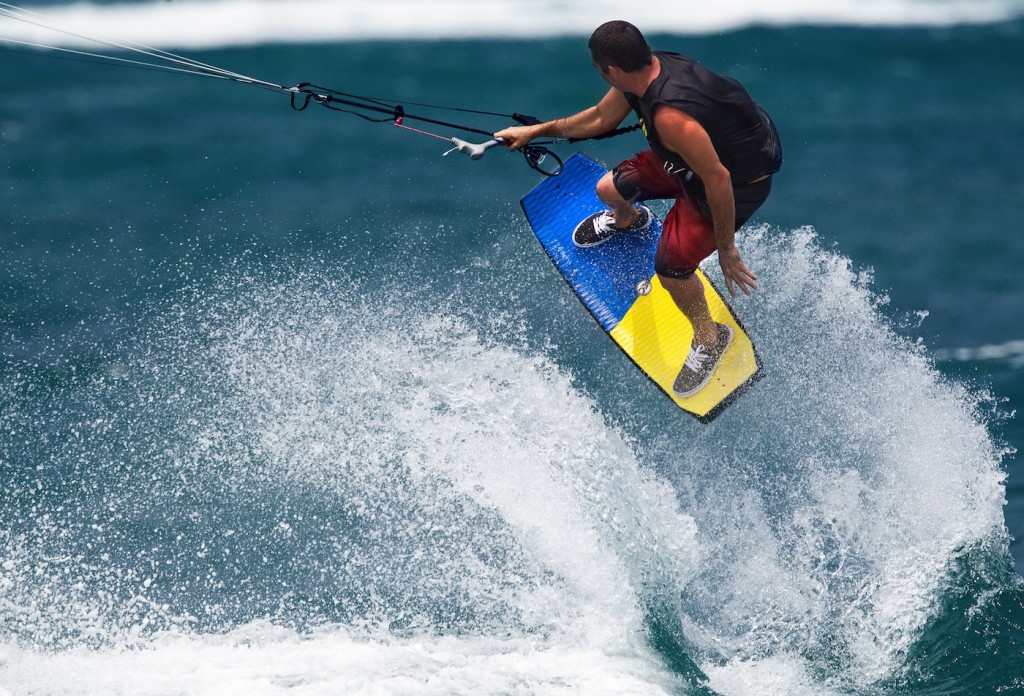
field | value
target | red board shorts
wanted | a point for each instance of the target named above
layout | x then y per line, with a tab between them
687	235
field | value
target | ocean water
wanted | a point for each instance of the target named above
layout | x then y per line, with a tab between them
290	403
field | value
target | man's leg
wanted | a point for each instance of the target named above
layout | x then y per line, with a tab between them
688	294
710	339
624	212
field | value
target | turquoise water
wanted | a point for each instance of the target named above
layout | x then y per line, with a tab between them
291	403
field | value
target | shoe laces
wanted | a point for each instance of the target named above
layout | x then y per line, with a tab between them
606	223
696	358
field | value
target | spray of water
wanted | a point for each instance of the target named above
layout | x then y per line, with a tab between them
313	464
837	496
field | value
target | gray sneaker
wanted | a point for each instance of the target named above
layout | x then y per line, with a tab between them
600	227
701	363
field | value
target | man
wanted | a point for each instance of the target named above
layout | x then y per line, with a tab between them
712	149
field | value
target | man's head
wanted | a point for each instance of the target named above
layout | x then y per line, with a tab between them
620	44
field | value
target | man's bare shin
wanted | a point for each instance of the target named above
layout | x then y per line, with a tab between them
688	294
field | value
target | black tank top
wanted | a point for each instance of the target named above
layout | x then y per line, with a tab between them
742	132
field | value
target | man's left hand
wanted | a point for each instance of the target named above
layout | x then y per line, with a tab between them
735	271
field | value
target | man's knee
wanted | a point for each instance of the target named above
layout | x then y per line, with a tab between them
607	191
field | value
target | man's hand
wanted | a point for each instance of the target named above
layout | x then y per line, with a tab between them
736	271
517	136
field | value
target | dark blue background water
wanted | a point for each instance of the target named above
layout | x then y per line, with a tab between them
123	193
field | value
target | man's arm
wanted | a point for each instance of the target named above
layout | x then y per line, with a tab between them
598	119
682	134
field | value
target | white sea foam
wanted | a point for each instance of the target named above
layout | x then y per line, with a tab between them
799	543
219	23
448	463
263	660
885	475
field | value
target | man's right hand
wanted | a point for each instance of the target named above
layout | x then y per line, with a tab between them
516	137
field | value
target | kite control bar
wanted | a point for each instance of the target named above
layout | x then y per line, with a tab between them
474	150
535	155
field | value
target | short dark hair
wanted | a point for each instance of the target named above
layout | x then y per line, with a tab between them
620	44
